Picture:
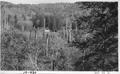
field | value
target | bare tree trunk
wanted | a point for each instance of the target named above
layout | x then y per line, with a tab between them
54	26
47	45
36	58
52	65
35	34
3	19
6	23
66	29
44	28
70	36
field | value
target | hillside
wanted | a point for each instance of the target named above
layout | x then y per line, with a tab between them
81	36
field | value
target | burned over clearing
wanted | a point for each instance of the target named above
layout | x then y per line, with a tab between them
80	36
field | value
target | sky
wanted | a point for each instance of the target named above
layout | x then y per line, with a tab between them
47	1
38	1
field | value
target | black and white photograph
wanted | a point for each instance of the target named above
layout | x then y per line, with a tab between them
59	35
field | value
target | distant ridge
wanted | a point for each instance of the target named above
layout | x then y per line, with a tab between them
5	3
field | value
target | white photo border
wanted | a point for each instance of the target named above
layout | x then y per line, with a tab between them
70	72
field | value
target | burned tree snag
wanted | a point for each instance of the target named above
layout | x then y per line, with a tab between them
44	28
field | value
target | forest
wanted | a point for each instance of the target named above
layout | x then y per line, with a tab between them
80	36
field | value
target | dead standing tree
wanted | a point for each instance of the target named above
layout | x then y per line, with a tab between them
4	19
68	29
44	27
47	32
